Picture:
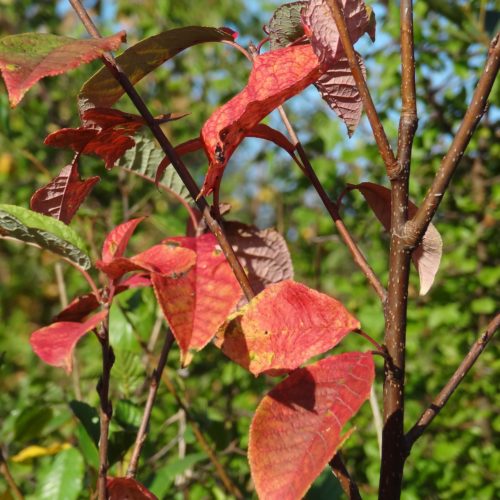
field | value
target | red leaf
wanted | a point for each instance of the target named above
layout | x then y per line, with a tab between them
427	256
26	58
54	344
106	133
275	77
324	34
162	259
127	488
296	429
196	304
62	196
339	90
283	327
117	240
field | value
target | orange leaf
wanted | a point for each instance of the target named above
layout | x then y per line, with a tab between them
196	304
296	429
283	327
275	77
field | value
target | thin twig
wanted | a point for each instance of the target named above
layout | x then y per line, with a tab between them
169	150
377	417
345	480
106	413
384	147
416	227
9	479
153	389
442	398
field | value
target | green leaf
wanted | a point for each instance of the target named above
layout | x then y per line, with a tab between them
286	24
64	479
102	89
43	231
483	305
87	446
127	414
89	418
143	160
31	422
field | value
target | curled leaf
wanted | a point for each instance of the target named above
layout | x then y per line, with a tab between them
283	327
26	58
285	25
296	428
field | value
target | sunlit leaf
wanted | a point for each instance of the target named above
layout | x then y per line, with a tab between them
26	58
43	231
285	25
35	451
283	327
117	239
296	428
54	344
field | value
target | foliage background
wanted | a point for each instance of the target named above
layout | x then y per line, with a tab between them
457	457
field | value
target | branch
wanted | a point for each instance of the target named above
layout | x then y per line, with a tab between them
416	228
377	128
5	471
153	389
442	398
169	150
341	473
108	359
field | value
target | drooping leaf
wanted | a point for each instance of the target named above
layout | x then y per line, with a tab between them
338	88
264	254
121	488
107	133
427	256
64	194
323	31
64	479
54	344
283	327
34	451
43	231
196	304
162	259
275	77
117	240
285	25
296	429
102	89
26	58
260	131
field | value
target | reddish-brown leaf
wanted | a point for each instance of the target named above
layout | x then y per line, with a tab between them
264	254
162	259
54	344
283	327
26	58
127	488
62	196
427	256
117	240
106	133
296	429
323	31
339	90
275	77
196	304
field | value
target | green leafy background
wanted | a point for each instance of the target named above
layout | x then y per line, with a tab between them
457	458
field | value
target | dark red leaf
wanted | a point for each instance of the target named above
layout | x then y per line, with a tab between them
283	327
196	304
26	58
127	488
296	429
54	344
62	196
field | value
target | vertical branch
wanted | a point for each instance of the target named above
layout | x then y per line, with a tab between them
153	389
393	442
108	359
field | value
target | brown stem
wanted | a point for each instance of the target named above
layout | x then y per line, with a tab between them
108	359
393	446
153	389
332	209
442	398
5	471
342	474
377	128
169	150
416	228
